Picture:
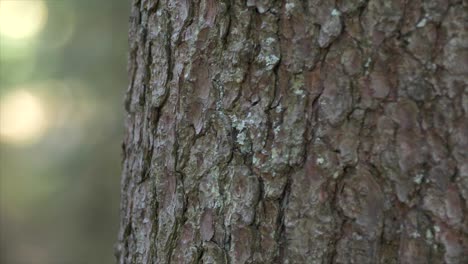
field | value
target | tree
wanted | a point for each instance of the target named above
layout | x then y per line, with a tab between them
266	131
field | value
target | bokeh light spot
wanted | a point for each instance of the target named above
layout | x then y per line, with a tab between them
22	19
22	118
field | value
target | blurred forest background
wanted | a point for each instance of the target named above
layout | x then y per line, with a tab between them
62	80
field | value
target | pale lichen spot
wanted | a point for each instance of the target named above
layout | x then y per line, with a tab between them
367	65
357	236
336	174
261	9
414	234
429	235
234	118
431	66
241	125
298	85
289	7
270	41
274	154
320	161
418	178
276	130
368	62
335	12
271	61
241	138
278	109
436	228
422	23
298	92
255	160
330	30
238	124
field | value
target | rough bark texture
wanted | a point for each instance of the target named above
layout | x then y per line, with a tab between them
294	131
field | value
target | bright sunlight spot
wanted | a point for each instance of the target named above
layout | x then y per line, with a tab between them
22	19
22	117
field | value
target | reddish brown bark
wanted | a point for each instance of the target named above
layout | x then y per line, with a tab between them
296	132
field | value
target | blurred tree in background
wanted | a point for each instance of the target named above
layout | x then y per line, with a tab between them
62	76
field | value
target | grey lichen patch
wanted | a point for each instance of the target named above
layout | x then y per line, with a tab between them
335	12
269	55
299	92
210	194
368	63
278	109
414	234
276	130
297	85
255	160
336	174
429	236
289	7
238	124
241	137
422	23
270	61
274	154
320	161
269	41
262	6
418	178
330	30
367	66
249	131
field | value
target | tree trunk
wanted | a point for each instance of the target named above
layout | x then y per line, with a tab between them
266	131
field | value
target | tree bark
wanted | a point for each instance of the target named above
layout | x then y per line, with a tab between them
316	131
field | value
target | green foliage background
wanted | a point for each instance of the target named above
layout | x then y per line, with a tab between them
59	197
